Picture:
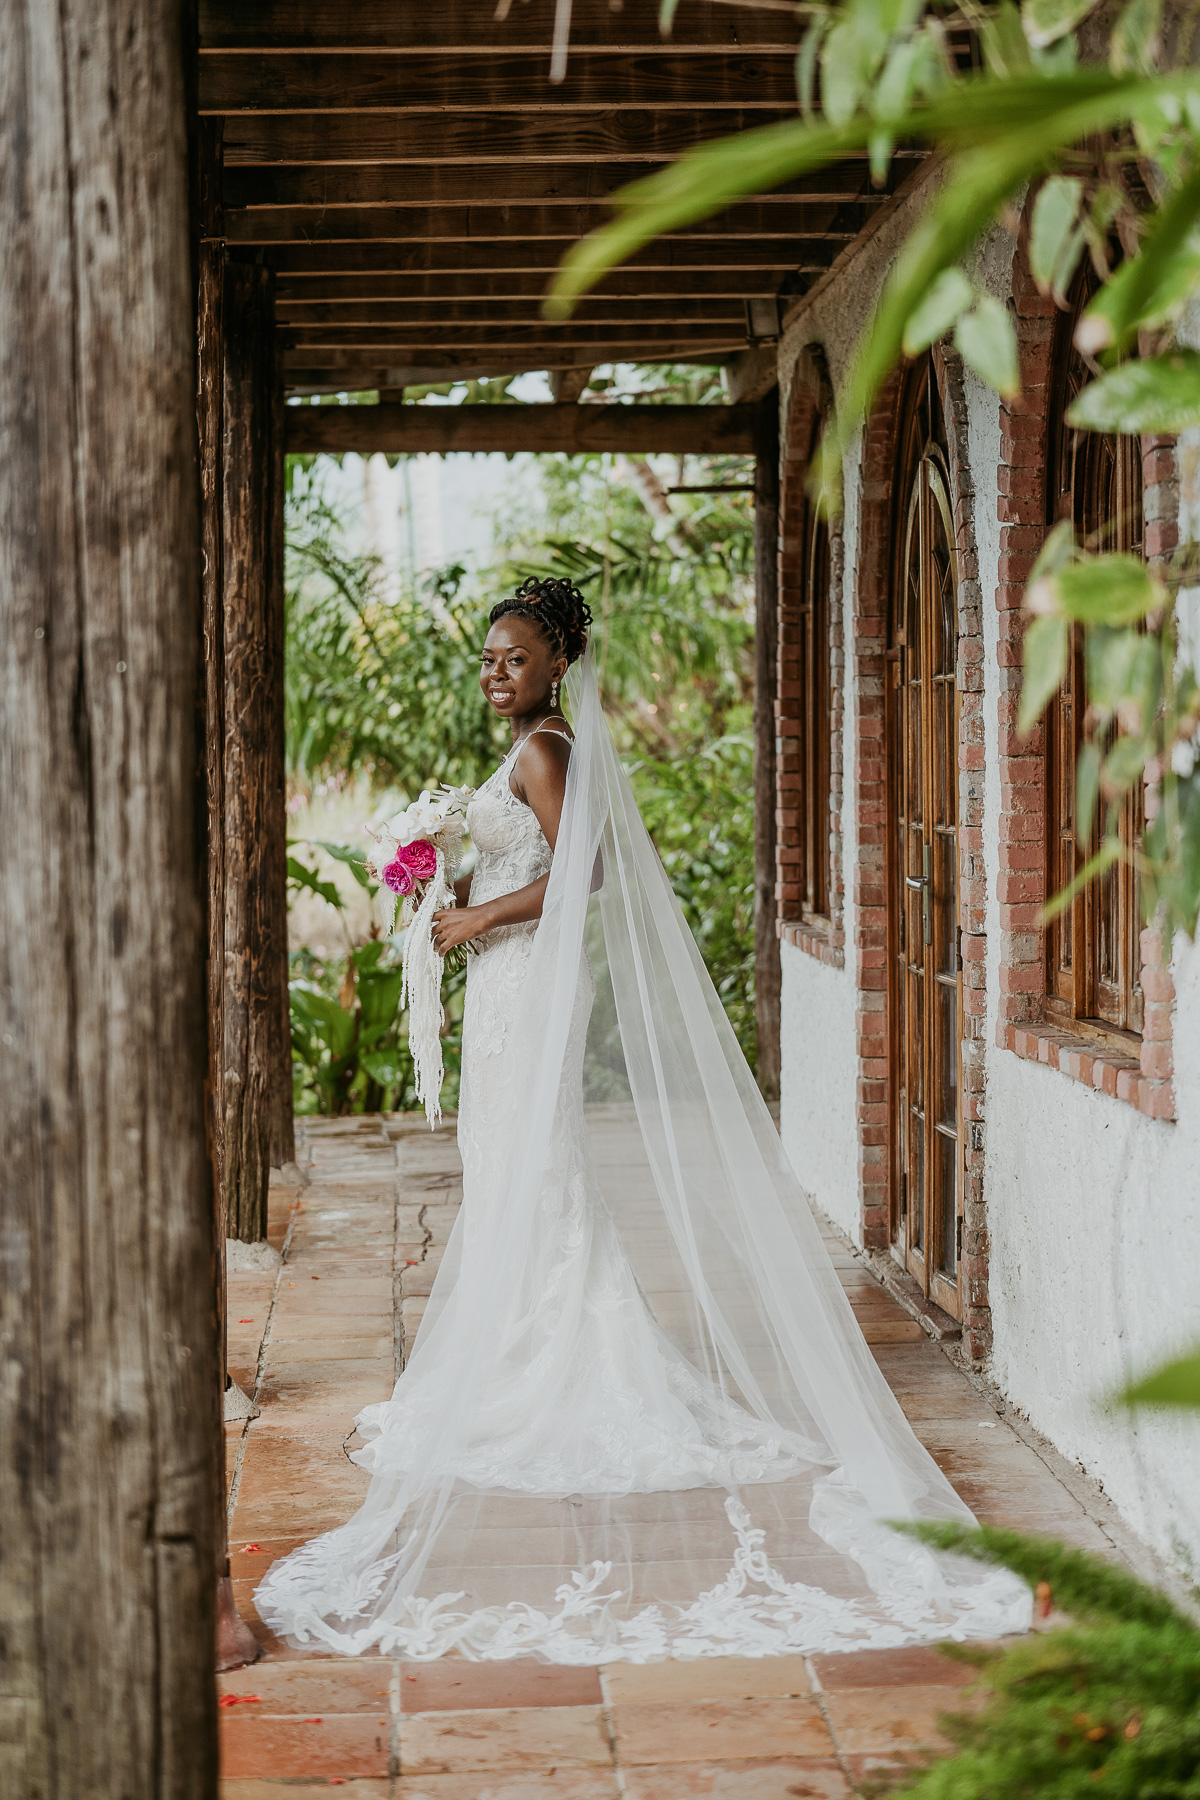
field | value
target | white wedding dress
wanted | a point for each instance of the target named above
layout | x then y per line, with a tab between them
639	1419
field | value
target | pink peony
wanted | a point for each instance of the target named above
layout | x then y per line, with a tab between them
398	877
419	857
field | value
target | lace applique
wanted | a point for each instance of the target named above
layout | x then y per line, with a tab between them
753	1611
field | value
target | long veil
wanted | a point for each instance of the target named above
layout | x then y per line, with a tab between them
683	1163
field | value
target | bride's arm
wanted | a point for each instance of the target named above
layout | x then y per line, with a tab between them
542	784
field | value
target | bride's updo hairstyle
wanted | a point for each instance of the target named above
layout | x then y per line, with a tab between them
556	606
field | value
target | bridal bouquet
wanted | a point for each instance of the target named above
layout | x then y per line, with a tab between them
414	858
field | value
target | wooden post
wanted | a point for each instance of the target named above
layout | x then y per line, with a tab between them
109	1419
766	614
283	1130
235	1642
255	820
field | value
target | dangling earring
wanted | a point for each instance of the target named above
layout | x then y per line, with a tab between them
554	692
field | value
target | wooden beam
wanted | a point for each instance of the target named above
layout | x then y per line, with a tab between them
541	257
453	184
496	314
647	135
255	820
419	341
680	430
516	81
465	28
566	385
514	224
662	287
109	1420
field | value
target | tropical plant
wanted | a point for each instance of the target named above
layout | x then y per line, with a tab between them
1115	146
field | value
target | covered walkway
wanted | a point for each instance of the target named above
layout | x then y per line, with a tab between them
325	1335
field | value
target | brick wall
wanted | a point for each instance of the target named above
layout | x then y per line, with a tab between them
808	401
972	890
870	928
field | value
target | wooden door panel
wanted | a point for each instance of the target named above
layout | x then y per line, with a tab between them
925	988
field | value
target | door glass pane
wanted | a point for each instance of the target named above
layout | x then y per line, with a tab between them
947	1244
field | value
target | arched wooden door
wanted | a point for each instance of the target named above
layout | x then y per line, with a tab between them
925	999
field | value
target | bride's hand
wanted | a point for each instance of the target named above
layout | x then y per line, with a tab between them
456	925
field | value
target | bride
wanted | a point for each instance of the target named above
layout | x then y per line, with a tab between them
639	1419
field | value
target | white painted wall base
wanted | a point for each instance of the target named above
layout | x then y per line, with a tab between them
819	1074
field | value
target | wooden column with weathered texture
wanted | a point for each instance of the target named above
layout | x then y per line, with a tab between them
255	861
283	1130
766	612
109	1420
210	276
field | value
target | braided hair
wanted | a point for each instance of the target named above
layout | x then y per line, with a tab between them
556	606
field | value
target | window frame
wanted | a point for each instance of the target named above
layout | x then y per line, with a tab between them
1083	469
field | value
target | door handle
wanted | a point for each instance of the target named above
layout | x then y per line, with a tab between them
920	885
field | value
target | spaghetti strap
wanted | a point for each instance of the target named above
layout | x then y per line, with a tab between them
544	726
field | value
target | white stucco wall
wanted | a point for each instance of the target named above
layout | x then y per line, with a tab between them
1093	1210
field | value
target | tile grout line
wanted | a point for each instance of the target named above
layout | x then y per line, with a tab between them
260	1367
818	1693
394	1749
610	1730
397	1297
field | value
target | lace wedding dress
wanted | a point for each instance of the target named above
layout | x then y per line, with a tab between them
639	1419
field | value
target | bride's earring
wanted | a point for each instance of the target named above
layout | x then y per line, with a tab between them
554	692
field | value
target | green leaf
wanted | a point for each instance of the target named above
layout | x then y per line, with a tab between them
666	16
1087	789
948	297
988	344
1160	394
1057	551
333	1022
806	62
353	860
1134	42
1111	850
1005	46
1111	661
387	1067
1175	1384
1125	763
1046	21
1045	654
1084	1584
1154	285
1107	590
308	879
848	61
1054	241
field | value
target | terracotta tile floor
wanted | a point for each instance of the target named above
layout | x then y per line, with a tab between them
325	1337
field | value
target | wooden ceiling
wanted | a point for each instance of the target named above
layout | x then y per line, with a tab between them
414	176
